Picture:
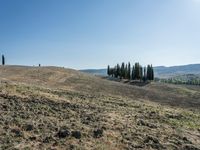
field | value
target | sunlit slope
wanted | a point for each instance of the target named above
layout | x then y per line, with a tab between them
61	78
57	108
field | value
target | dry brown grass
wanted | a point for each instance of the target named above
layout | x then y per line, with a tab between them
51	100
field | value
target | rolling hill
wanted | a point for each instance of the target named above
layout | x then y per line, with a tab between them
177	70
58	108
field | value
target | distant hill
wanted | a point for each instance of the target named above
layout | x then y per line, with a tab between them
163	72
99	72
160	71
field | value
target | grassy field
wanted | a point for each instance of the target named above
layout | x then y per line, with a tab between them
57	108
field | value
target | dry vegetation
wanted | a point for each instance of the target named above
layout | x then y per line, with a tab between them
57	108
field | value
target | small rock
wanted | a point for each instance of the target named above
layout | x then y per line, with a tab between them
76	134
98	133
185	139
63	133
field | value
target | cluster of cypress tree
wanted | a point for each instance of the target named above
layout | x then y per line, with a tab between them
135	72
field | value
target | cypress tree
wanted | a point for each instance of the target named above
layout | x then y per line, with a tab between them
115	72
137	71
140	72
123	70
111	72
118	71
133	73
108	70
3	60
148	72
152	73
129	71
145	75
126	72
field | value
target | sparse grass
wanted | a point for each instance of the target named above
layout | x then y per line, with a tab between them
188	120
130	117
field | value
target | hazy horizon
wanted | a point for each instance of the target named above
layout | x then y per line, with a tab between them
92	34
143	66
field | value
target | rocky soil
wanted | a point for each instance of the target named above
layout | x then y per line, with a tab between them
56	108
61	119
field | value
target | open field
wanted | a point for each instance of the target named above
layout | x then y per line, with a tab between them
57	108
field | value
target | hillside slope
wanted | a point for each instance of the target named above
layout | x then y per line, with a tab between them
57	108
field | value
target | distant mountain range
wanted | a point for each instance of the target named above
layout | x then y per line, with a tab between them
160	71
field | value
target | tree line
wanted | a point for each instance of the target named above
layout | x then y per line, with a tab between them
134	72
179	81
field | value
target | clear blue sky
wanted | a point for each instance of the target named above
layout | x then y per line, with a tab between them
94	33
